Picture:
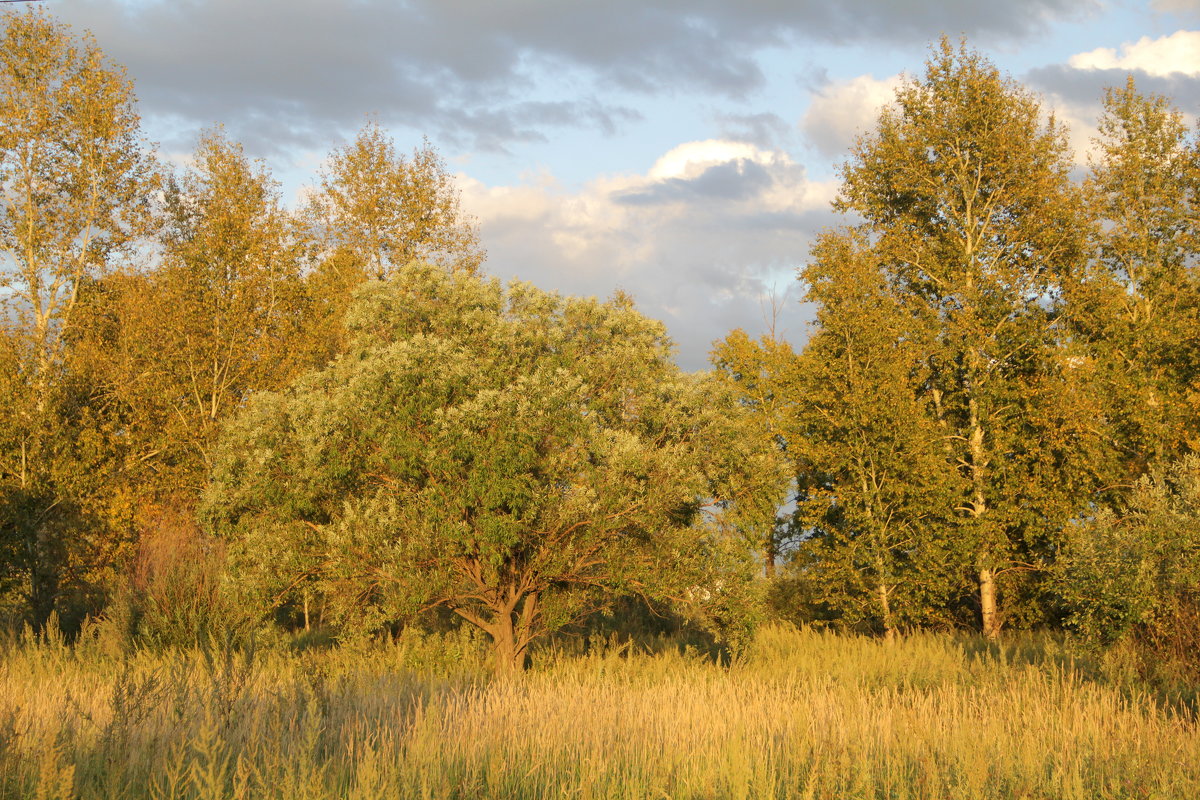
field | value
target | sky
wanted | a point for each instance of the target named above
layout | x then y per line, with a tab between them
683	151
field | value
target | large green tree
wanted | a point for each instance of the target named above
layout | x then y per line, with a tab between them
963	187
514	456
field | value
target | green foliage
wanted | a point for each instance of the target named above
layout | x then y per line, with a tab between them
876	492
942	429
759	374
1134	307
1133	571
515	457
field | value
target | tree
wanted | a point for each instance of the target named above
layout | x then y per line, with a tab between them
73	196
1138	568
965	194
373	211
760	374
877	491
517	457
1135	306
180	347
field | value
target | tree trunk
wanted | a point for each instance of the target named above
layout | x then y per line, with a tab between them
509	654
885	606
769	556
987	604
990	620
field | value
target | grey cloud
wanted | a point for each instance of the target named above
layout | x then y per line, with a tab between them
464	67
591	112
1182	7
492	129
301	72
1084	88
766	130
733	180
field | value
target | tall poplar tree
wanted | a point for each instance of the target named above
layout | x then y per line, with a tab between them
1135	305
73	195
875	506
963	187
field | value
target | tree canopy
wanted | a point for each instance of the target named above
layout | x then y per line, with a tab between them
992	421
512	455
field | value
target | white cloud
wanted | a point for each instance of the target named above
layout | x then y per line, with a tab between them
1178	53
690	159
702	239
840	111
1080	120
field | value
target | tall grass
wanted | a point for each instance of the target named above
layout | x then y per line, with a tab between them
801	715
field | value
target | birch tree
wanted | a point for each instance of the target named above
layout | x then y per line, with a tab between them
964	187
74	192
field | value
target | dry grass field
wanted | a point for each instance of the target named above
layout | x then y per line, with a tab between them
800	715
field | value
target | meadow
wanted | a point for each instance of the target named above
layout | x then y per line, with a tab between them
801	714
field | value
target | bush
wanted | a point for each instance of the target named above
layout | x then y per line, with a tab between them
1135	575
178	592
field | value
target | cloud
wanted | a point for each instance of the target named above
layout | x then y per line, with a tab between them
704	238
839	112
291	73
764	129
733	180
692	159
1165	56
1176	6
1168	66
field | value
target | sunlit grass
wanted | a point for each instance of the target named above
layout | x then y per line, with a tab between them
802	714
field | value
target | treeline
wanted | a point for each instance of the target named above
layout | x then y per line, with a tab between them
220	413
217	412
145	305
994	422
